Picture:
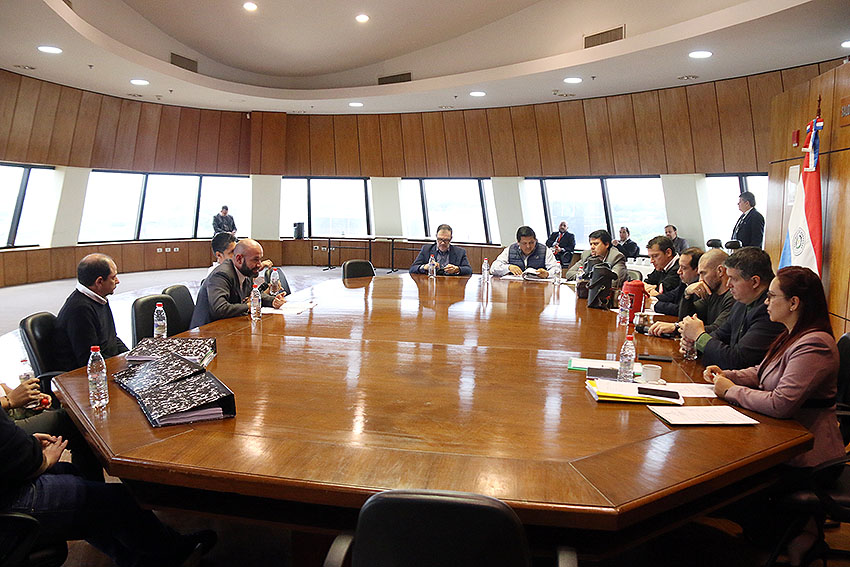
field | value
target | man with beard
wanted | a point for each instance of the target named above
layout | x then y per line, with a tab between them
226	290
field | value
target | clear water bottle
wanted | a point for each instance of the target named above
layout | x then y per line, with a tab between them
160	322
580	272
623	309
256	304
432	267
627	361
25	376
485	270
98	389
556	276
274	283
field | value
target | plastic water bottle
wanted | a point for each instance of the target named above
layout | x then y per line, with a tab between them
624	305
580	272
160	322
627	361
556	276
25	376
256	304
432	267
274	283
485	271
96	369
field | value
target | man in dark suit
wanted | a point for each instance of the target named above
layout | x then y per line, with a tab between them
451	260
665	260
562	243
750	226
225	292
625	244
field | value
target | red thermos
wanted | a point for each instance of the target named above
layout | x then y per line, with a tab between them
636	290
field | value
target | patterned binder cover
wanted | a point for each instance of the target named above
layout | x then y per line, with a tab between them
196	349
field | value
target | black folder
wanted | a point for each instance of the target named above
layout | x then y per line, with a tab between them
196	349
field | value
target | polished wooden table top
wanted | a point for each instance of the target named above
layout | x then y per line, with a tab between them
406	382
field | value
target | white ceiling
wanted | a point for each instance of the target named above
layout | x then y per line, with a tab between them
311	56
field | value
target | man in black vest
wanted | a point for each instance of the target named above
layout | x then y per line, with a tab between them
750	226
525	253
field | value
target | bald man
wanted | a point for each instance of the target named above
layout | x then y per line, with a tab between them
225	292
86	318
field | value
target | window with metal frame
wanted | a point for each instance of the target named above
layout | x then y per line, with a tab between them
338	208
218	191
111	207
458	203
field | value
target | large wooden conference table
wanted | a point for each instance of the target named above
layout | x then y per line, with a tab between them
405	382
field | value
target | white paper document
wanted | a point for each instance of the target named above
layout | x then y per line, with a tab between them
585	363
290	308
702	415
689	390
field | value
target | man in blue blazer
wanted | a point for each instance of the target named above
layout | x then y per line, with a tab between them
451	260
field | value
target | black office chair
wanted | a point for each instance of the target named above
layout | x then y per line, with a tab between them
37	334
185	307
18	548
142	315
267	276
714	243
423	528
634	275
357	269
843	396
733	245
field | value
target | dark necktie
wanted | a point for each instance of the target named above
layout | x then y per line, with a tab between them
738	226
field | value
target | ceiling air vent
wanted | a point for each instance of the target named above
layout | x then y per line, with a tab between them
184	62
390	79
606	36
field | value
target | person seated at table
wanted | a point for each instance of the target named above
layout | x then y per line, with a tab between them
222	244
226	291
668	302
69	507
563	244
672	233
451	260
665	261
86	319
743	339
797	379
600	251
523	254
625	244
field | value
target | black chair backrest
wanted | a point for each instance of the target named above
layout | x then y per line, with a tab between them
18	535
267	276
185	306
733	245
357	269
635	275
37	332
406	528
142	315
714	243
843	396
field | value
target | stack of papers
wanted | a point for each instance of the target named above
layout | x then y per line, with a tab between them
702	415
585	363
611	391
290	308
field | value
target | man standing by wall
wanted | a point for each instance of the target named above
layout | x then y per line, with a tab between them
750	226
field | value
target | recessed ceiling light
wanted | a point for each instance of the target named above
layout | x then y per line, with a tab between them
49	49
250	6
573	80
477	93
24	67
688	77
700	54
846	44
362	18
139	82
355	104
445	107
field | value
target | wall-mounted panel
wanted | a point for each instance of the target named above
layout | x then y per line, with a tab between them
10	83
107	130
297	145
22	121
736	125
549	139
524	124
346	145
574	137
166	142
650	141
840	135
369	139
436	160
413	140
836	253
676	128
705	128
392	145
478	143
128	131
227	160
209	134
147	136
762	89
502	142
186	154
42	127
322	161
598	136
457	152
621	117
81	146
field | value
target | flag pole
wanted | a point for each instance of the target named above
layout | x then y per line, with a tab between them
818	114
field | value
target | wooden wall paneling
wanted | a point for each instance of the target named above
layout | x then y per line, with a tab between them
114	251
436	158
574	137
62	263
297	145
322	160
621	117
257	141
63	127
799	116
502	142
705	128
144	157
599	145
836	253
478	143
457	152
549	139
200	253
107	130
296	252
346	145
186	154
526	144
825	66
273	144
81	252
15	269
380	254
780	126
178	258
166	142
413	140
840	139
10	83
369	139
773	230
798	75
762	89
42	127
22	121
650	141
271	251
676	129
2	273
822	86
227	155
84	131
128	132
155	260
244	165
838	325
392	145
209	133
133	258
38	265
736	125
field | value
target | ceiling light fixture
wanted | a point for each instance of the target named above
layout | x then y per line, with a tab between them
573	80
445	107
355	104
688	77
477	93
49	49
24	67
846	44
362	18
249	7
700	54
139	82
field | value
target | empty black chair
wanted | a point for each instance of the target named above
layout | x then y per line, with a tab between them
714	243
37	334
142	315
18	547
634	275
185	307
357	269
843	396
733	245
267	276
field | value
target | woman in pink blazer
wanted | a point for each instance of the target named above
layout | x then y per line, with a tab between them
797	378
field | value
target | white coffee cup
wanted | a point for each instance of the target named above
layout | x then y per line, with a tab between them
651	373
